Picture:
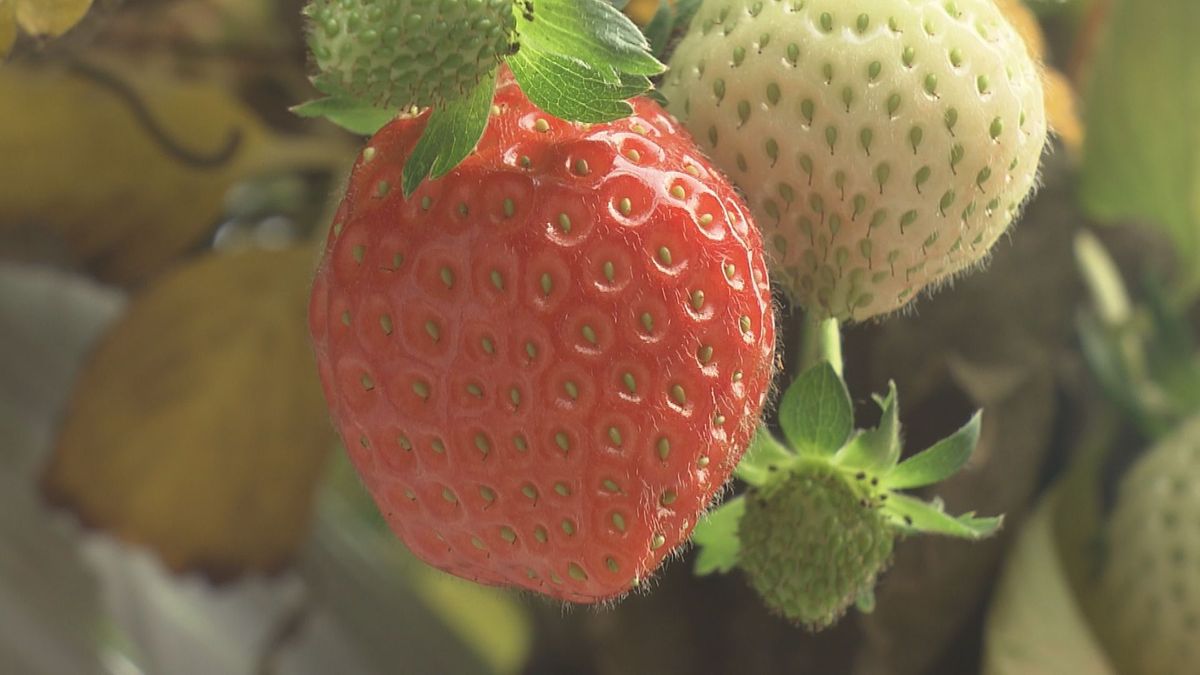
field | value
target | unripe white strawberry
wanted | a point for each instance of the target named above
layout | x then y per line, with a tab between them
884	145
1150	592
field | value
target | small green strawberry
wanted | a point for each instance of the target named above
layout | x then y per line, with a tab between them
577	60
828	520
883	145
820	522
1150	590
406	53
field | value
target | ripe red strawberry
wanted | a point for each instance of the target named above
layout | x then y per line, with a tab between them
545	364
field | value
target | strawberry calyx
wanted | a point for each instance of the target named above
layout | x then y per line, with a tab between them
578	60
825	503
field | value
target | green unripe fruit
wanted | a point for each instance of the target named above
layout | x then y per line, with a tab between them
813	541
1149	597
404	53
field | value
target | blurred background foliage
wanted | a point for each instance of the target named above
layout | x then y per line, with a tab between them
172	499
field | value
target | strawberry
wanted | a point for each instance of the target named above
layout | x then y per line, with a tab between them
884	145
813	541
825	507
405	53
545	364
1150	590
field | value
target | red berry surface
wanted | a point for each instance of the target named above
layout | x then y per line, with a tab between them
545	364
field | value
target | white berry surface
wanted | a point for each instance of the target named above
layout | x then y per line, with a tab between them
884	145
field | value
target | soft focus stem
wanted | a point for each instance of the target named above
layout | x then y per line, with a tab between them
820	340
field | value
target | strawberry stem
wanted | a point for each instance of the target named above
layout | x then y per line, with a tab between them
820	340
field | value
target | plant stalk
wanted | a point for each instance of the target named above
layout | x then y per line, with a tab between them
820	340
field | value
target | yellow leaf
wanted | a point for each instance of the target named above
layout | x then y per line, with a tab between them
198	427
1026	22
50	18
642	11
8	26
485	618
128	164
1062	110
1035	625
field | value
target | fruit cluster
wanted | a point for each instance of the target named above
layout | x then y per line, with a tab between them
547	360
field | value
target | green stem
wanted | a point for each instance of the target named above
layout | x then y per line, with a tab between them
820	340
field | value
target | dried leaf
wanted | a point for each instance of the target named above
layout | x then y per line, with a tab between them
50	18
128	165
198	428
8	26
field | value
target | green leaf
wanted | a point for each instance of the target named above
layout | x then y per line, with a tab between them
1171	356
574	90
684	11
658	31
351	115
877	450
591	31
618	4
913	515
764	452
716	535
937	462
1142	154
1100	273
816	413
1116	360
451	135
657	96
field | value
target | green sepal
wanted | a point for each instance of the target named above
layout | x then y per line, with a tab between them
717	538
451	134
571	89
816	413
912	515
764	456
937	462
589	31
353	116
876	450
